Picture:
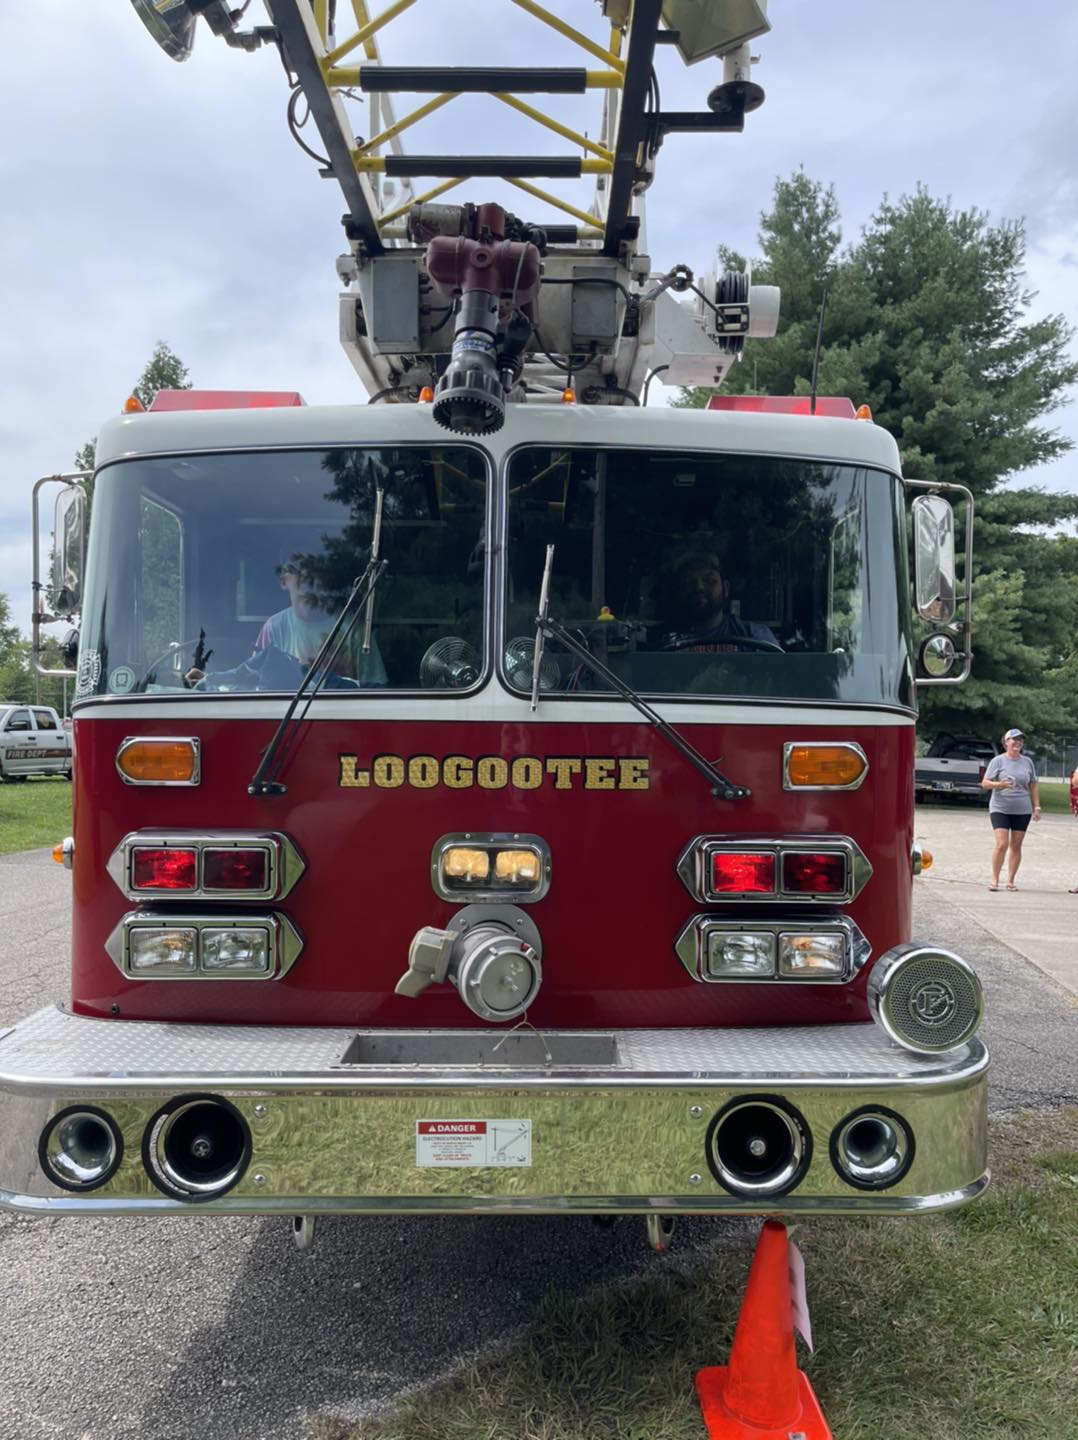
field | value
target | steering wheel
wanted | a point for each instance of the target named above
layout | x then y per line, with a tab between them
176	648
270	669
747	642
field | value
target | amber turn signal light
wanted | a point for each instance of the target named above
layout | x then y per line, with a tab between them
465	863
164	761
824	767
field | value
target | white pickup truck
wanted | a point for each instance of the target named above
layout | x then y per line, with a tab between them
33	741
954	765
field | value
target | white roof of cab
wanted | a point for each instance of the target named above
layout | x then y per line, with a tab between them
817	437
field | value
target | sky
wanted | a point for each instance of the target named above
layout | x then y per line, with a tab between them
146	200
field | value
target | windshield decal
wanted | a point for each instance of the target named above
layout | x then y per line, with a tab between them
89	673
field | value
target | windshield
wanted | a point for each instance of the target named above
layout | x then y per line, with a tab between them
225	573
710	575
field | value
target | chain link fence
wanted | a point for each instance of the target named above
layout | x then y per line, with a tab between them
1057	759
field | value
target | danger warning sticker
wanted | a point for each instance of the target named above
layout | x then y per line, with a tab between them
493	1143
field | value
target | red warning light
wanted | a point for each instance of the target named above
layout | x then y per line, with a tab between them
742	873
161	869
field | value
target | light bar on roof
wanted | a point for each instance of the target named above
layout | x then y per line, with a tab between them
166	400
836	406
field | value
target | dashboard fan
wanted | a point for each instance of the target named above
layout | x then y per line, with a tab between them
519	659
450	664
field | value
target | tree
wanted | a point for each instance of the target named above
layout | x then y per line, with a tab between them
163	371
17	679
12	653
927	321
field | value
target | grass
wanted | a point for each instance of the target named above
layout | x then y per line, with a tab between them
1055	797
35	813
951	1326
1055	800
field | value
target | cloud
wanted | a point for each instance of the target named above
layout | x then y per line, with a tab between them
147	200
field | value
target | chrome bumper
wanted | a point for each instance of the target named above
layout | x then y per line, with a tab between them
618	1120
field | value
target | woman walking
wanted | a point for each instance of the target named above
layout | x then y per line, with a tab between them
1015	799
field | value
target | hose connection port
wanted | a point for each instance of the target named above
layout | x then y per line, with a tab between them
492	954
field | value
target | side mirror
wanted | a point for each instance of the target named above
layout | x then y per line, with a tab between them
937	599
69	649
933	559
69	541
937	656
59	595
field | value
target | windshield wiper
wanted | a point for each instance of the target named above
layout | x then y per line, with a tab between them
721	787
376	550
264	781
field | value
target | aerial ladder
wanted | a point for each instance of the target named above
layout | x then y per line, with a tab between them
468	300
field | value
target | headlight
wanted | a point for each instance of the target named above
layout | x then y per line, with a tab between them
825	951
151	945
157	951
241	948
740	954
812	957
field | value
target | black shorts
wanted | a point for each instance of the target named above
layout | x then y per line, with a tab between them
1002	821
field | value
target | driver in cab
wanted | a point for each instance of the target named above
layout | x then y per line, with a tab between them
697	606
290	640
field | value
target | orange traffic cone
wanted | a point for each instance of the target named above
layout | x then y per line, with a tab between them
761	1394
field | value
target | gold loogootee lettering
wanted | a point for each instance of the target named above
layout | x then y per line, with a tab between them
495	772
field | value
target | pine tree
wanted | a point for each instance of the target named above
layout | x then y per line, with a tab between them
163	371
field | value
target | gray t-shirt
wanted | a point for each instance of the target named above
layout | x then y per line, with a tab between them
1012	800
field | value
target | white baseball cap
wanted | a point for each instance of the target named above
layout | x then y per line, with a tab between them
1014	735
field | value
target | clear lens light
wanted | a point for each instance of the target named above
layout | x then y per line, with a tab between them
236	948
811	955
170	952
750	955
460	863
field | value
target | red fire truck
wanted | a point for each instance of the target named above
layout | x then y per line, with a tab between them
501	801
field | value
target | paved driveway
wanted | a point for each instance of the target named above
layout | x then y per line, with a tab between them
1039	920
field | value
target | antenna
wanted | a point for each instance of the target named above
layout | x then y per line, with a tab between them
816	353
